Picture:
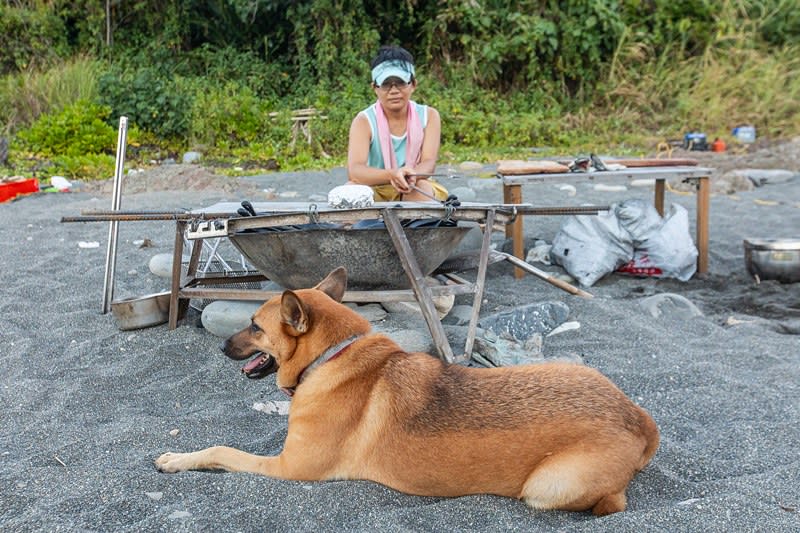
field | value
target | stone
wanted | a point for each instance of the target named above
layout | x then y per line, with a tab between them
459	315
522	322
412	340
192	157
610	188
540	253
568	188
470	165
763	176
669	305
464	194
161	265
372	312
223	318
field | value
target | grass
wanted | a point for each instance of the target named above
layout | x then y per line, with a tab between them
27	95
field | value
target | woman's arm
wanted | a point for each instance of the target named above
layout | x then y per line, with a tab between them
430	144
358	153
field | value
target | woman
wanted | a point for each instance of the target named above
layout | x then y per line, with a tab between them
395	141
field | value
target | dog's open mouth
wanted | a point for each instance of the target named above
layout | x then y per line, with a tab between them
261	366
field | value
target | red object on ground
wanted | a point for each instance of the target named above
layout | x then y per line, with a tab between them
718	145
13	189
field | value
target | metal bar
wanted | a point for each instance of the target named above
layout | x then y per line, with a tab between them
113	230
175	282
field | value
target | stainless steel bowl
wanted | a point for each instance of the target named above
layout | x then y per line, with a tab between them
142	312
777	259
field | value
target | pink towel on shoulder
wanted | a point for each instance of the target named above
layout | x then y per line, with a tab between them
414	136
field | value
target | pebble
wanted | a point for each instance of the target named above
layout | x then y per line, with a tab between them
566	326
88	244
174	432
280	407
154	495
179	515
570	189
610	188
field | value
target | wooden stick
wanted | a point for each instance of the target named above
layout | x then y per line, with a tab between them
561	284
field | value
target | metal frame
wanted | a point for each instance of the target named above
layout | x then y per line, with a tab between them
188	286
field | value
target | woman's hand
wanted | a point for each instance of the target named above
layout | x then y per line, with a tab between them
402	179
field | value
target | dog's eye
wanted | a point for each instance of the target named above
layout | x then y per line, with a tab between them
254	327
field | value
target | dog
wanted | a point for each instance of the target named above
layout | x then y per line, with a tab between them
555	435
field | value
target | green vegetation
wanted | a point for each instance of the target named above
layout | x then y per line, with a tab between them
223	76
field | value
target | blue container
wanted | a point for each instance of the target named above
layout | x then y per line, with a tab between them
695	140
745	134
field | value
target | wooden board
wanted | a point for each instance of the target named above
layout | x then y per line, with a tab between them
641	163
513	167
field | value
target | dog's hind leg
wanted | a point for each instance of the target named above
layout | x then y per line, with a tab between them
219	458
577	481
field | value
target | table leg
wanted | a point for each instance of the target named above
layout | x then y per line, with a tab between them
659	200
703	206
512	194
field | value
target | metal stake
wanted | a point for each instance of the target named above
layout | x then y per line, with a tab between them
113	230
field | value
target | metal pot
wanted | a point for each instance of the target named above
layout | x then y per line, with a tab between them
141	312
777	259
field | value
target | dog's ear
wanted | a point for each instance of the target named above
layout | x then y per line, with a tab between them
334	284
293	312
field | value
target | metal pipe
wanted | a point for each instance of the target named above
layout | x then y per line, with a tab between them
113	229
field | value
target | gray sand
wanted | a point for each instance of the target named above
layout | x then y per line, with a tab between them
86	408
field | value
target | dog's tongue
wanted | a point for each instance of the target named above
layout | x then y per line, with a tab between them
253	363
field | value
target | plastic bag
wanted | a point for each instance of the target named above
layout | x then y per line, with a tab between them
591	246
665	251
630	238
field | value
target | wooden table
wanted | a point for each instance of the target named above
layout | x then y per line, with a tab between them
512	194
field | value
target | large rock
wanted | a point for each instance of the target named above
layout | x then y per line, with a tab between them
223	318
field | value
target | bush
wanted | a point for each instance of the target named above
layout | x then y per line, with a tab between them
78	129
228	117
150	97
29	38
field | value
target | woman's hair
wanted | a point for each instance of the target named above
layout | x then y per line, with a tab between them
390	53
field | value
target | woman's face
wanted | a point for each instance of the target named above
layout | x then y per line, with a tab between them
394	93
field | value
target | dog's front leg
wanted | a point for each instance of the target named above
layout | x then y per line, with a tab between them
220	458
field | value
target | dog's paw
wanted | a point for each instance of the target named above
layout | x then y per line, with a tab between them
172	462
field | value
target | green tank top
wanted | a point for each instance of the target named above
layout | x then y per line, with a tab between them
375	158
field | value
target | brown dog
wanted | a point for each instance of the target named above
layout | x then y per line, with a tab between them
556	435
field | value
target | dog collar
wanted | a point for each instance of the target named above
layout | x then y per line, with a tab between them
331	353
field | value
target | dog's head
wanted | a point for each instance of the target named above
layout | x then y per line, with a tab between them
290	331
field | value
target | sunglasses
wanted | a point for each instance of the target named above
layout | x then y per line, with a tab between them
389	84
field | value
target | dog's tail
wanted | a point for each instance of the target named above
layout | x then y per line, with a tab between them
651	435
